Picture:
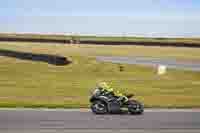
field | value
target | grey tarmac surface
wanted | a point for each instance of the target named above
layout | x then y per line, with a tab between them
170	63
83	121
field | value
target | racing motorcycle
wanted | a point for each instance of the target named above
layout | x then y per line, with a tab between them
107	103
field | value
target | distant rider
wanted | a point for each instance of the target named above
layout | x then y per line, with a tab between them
108	89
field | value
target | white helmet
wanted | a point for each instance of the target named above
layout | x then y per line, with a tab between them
103	85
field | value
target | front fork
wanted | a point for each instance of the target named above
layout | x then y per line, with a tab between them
123	100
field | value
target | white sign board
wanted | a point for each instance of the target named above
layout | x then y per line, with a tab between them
161	69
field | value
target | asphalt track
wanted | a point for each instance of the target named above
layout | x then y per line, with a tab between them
83	121
170	63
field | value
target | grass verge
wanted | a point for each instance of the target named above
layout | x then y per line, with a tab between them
37	84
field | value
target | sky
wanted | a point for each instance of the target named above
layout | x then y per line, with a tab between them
174	18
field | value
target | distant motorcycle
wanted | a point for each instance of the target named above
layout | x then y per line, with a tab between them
104	103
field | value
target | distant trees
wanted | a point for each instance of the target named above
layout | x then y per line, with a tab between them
75	40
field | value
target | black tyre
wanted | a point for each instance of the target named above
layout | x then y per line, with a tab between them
135	107
99	107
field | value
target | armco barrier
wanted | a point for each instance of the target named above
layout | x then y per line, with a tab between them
51	59
171	44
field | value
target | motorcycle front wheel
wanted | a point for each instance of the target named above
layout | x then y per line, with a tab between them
135	107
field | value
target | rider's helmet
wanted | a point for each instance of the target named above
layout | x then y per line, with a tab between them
103	85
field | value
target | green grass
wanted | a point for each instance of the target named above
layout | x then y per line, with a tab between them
35	36
104	38
37	84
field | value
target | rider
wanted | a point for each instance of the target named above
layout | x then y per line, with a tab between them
105	87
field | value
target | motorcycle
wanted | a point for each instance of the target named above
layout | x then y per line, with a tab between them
104	103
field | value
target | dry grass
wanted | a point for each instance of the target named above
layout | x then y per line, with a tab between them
37	84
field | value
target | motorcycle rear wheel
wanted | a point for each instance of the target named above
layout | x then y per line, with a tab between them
99	107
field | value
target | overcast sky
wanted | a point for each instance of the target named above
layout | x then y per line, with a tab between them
102	17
